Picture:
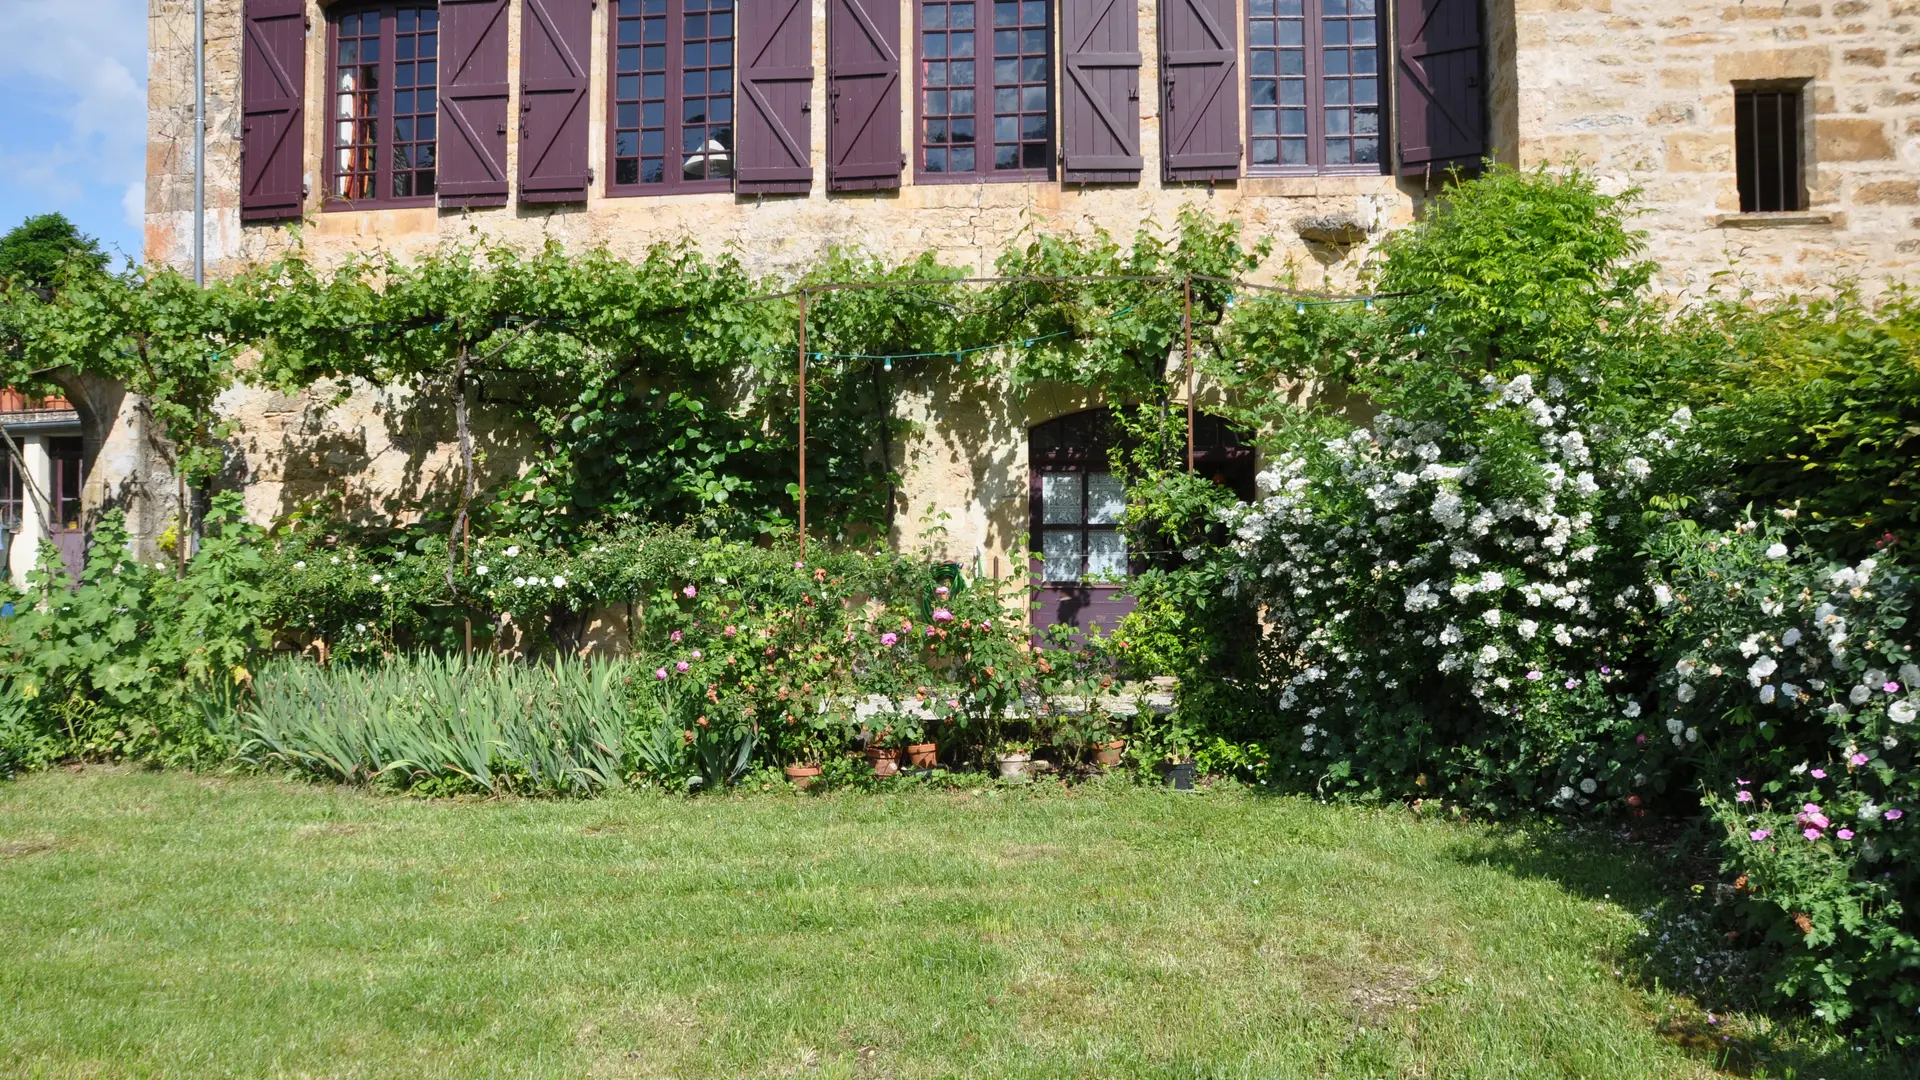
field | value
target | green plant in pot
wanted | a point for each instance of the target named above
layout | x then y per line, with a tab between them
1013	758
881	735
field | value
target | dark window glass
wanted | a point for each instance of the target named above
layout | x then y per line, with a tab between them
986	93
1766	135
1314	86
684	68
384	72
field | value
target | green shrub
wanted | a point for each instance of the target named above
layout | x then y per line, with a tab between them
491	725
117	663
1815	403
1788	692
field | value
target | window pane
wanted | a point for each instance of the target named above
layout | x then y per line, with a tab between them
1106	499
1106	555
1060	498
1060	555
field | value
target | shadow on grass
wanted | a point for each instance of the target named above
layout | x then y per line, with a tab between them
1708	994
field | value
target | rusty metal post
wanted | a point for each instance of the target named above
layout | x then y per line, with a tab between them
803	423
1187	322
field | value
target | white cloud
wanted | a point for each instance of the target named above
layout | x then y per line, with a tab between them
82	68
133	203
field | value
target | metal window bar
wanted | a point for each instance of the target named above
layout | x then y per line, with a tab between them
1767	150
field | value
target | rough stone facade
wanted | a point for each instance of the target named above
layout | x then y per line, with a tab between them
1640	91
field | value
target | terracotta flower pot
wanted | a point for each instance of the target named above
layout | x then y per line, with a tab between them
923	755
802	776
1107	754
1013	766
885	760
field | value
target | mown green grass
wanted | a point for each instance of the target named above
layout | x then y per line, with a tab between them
177	925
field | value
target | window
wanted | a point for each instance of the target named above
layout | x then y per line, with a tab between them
1080	526
986	93
383	105
1314	101
1766	137
69	479
13	501
672	96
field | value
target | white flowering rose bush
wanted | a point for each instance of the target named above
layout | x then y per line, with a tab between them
1446	600
1799	674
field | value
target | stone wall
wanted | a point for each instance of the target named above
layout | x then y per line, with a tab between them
1642	92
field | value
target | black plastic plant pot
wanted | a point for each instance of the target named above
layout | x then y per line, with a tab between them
1179	775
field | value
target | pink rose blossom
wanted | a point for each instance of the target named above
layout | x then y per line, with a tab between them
1894	815
942	615
1534	676
1857	760
682	667
798	565
731	630
675	637
1892	688
1758	835
889	639
689	592
696	654
986	624
1811	834
1641	738
659	673
1819	774
943	592
1845	834
1745	796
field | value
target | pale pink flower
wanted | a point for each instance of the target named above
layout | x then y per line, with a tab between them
1758	835
1845	834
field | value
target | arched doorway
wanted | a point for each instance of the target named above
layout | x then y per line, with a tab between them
1081	559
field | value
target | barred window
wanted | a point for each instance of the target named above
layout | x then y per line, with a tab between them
383	105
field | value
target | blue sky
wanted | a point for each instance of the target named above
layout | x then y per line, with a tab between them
73	130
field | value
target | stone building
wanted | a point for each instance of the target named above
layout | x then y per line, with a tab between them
1776	141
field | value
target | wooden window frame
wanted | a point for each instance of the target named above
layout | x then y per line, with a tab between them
1790	165
983	171
673	181
1315	17
383	133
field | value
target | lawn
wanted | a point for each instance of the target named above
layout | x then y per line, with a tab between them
178	925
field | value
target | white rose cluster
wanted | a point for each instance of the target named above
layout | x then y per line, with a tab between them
1404	547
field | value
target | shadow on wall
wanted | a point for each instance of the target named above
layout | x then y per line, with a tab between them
371	458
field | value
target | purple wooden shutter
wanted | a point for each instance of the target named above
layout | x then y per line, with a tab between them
555	39
273	90
1442	107
773	135
1100	97
863	95
1199	99
473	103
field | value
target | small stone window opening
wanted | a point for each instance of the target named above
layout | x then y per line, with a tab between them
1767	149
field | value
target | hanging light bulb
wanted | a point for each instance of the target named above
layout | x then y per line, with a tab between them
887	364
1299	309
1369	303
